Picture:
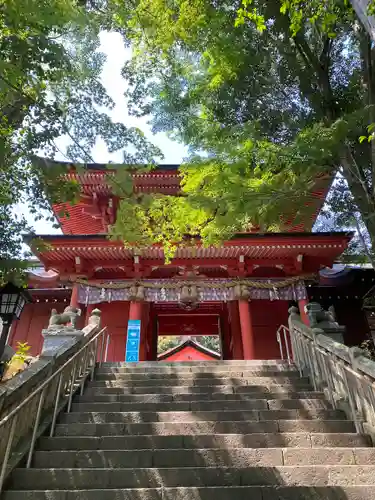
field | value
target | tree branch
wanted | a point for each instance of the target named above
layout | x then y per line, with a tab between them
320	66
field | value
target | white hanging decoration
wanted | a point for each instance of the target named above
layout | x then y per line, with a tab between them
274	294
102	294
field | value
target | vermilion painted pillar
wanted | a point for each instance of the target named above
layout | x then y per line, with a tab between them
74	296
235	328
247	332
135	311
144	332
301	306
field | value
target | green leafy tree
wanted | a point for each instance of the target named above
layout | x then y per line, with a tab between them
50	87
210	341
273	93
166	342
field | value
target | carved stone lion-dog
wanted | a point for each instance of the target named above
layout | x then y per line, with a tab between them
319	318
68	317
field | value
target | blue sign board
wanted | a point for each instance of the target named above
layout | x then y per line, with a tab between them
133	341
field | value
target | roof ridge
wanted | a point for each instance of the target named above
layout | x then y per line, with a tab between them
187	343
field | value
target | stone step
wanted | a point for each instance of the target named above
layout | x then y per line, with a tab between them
298	404
172	380
113	395
203	493
193	428
230	457
123	374
199	416
197	365
249	404
299	385
199	431
201	441
186	368
296	475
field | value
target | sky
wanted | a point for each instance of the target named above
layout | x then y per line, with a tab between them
112	46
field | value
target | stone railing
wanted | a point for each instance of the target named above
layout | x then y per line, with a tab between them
343	373
31	401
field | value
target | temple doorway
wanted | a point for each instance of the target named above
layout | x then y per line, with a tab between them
189	334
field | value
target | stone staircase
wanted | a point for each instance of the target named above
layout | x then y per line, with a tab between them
207	431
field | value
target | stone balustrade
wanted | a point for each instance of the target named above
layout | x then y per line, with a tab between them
345	374
61	343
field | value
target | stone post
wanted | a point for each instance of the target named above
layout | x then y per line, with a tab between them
58	339
94	321
61	333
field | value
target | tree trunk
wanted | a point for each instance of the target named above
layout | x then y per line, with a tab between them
363	197
361	6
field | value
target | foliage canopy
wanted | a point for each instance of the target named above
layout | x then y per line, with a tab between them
50	87
268	95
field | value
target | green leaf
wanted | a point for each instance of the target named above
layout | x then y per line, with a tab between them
51	87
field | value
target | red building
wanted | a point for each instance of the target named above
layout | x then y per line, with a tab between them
188	351
240	290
